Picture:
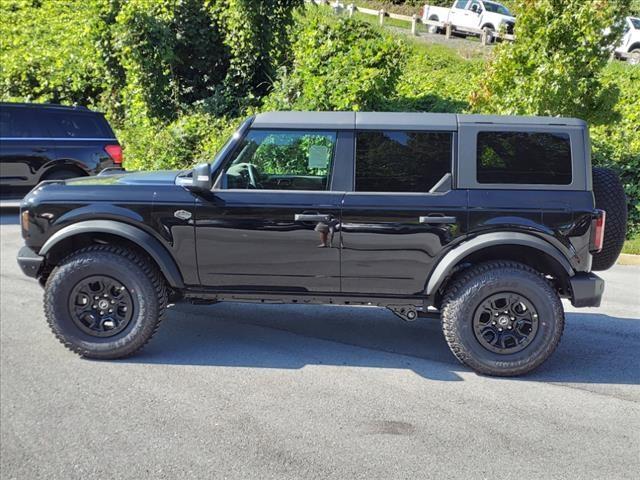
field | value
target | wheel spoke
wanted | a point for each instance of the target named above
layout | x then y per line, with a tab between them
100	306
505	323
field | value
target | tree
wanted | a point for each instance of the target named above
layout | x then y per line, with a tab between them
555	65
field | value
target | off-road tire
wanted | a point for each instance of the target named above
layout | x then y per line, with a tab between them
471	288
610	197
143	281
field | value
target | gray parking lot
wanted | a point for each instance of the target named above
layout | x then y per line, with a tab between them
245	391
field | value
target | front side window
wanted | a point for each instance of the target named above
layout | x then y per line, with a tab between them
281	160
461	4
524	158
401	161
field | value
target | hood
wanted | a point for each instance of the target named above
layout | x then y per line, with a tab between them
160	177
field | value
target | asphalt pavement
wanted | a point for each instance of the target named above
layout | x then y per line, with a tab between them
300	392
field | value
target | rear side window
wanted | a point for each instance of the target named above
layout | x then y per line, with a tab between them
401	161
65	124
524	158
18	123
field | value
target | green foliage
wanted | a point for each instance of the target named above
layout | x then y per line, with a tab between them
555	66
188	140
338	64
434	79
282	155
172	54
49	52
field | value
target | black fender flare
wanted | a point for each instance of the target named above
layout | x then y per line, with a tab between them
148	243
454	256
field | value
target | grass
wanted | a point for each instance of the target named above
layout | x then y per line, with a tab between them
632	246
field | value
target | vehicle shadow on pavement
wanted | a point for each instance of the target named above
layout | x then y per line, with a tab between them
292	337
595	348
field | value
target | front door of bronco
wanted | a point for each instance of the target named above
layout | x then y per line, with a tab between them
271	223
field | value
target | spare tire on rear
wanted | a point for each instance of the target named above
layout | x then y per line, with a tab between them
610	197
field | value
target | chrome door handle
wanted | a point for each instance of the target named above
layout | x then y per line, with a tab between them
312	217
438	220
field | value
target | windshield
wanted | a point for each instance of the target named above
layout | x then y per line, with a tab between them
497	8
635	22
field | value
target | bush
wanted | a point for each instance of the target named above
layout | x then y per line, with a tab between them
50	52
338	64
434	79
186	141
555	67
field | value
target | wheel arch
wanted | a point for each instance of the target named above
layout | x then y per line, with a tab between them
635	46
112	231
524	248
66	164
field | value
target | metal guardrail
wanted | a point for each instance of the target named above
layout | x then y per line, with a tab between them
414	20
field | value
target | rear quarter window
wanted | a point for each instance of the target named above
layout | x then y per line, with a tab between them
524	158
64	124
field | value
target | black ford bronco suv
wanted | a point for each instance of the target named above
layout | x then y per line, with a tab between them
487	221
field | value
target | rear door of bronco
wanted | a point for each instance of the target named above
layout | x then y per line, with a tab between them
271	221
401	211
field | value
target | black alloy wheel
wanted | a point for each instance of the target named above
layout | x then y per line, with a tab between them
100	306
505	323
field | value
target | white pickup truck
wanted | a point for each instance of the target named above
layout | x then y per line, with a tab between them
629	46
469	17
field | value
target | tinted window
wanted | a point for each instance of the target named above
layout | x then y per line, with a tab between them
18	123
524	158
398	161
461	4
282	160
67	124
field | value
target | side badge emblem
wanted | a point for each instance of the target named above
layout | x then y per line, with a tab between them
182	214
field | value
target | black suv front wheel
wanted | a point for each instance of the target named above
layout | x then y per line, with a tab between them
104	301
502	318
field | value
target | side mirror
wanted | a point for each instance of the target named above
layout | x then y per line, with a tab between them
201	178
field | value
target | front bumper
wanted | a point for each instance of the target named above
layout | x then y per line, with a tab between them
30	262
587	290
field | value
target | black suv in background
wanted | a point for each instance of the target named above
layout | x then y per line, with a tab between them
52	142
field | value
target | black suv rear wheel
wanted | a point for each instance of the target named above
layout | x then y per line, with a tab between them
502	318
104	301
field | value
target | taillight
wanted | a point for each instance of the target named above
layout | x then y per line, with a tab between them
115	152
597	230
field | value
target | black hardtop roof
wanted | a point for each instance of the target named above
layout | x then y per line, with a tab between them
397	120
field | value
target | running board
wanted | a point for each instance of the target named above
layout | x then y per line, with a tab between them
395	304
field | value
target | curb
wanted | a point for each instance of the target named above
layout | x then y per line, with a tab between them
628	259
